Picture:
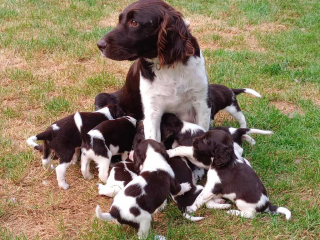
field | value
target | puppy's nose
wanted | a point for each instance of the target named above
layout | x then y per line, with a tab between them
101	44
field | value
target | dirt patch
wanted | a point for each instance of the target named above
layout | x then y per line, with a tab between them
10	59
110	21
221	117
37	207
287	108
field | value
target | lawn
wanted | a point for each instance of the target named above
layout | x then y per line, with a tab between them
50	67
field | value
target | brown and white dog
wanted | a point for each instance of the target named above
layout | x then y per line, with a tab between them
109	138
63	138
168	74
135	204
228	176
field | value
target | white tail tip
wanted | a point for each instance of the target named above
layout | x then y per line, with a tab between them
258	131
31	141
191	218
78	120
284	211
253	92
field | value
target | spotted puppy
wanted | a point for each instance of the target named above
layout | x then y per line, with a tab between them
135	204
224	98
228	176
63	138
107	139
120	175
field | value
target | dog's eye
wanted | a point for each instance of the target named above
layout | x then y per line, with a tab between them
133	23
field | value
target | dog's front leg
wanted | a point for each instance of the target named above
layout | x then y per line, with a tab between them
181	151
151	122
203	113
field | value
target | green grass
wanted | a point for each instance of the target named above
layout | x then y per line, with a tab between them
53	68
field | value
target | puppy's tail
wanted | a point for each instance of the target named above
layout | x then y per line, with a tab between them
103	216
276	210
31	141
191	218
78	121
258	131
246	90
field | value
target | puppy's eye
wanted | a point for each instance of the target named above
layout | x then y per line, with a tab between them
133	23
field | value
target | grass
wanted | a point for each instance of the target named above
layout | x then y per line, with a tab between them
50	67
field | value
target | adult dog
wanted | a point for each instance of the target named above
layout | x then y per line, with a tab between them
168	74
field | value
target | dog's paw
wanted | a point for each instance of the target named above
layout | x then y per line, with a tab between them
159	237
191	209
213	205
88	176
219	200
171	153
185	187
65	186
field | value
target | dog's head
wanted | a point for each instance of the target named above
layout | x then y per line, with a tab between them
170	125
115	110
150	29
103	99
140	153
218	145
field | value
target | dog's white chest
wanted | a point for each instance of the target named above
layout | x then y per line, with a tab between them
172	88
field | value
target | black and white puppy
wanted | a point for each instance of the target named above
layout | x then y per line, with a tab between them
228	176
63	138
120	175
168	74
107	139
135	204
224	98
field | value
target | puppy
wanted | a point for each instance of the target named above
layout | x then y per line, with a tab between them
120	175
228	176
135	204
224	98
63	138
107	139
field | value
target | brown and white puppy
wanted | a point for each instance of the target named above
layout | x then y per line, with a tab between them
63	138
228	176
168	74
224	98
135	204
109	138
120	175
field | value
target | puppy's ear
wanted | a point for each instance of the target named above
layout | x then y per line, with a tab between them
222	155
163	152
115	111
138	159
174	39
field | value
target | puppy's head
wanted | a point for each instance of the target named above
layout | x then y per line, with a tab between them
139	137
140	153
115	111
170	125
149	29
218	145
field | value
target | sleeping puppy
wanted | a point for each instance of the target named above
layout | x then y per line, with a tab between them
107	139
120	175
224	98
63	138
228	176
147	192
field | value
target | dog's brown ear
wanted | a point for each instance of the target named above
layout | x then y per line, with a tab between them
138	158
163	151
222	155
174	39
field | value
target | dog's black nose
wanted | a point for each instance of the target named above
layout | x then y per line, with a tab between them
101	44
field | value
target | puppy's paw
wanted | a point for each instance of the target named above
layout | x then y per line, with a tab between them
88	176
191	208
185	187
159	237
219	200
171	153
213	205
65	186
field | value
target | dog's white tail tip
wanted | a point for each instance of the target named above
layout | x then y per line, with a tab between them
31	141
284	211
191	218
78	120
259	131
253	92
